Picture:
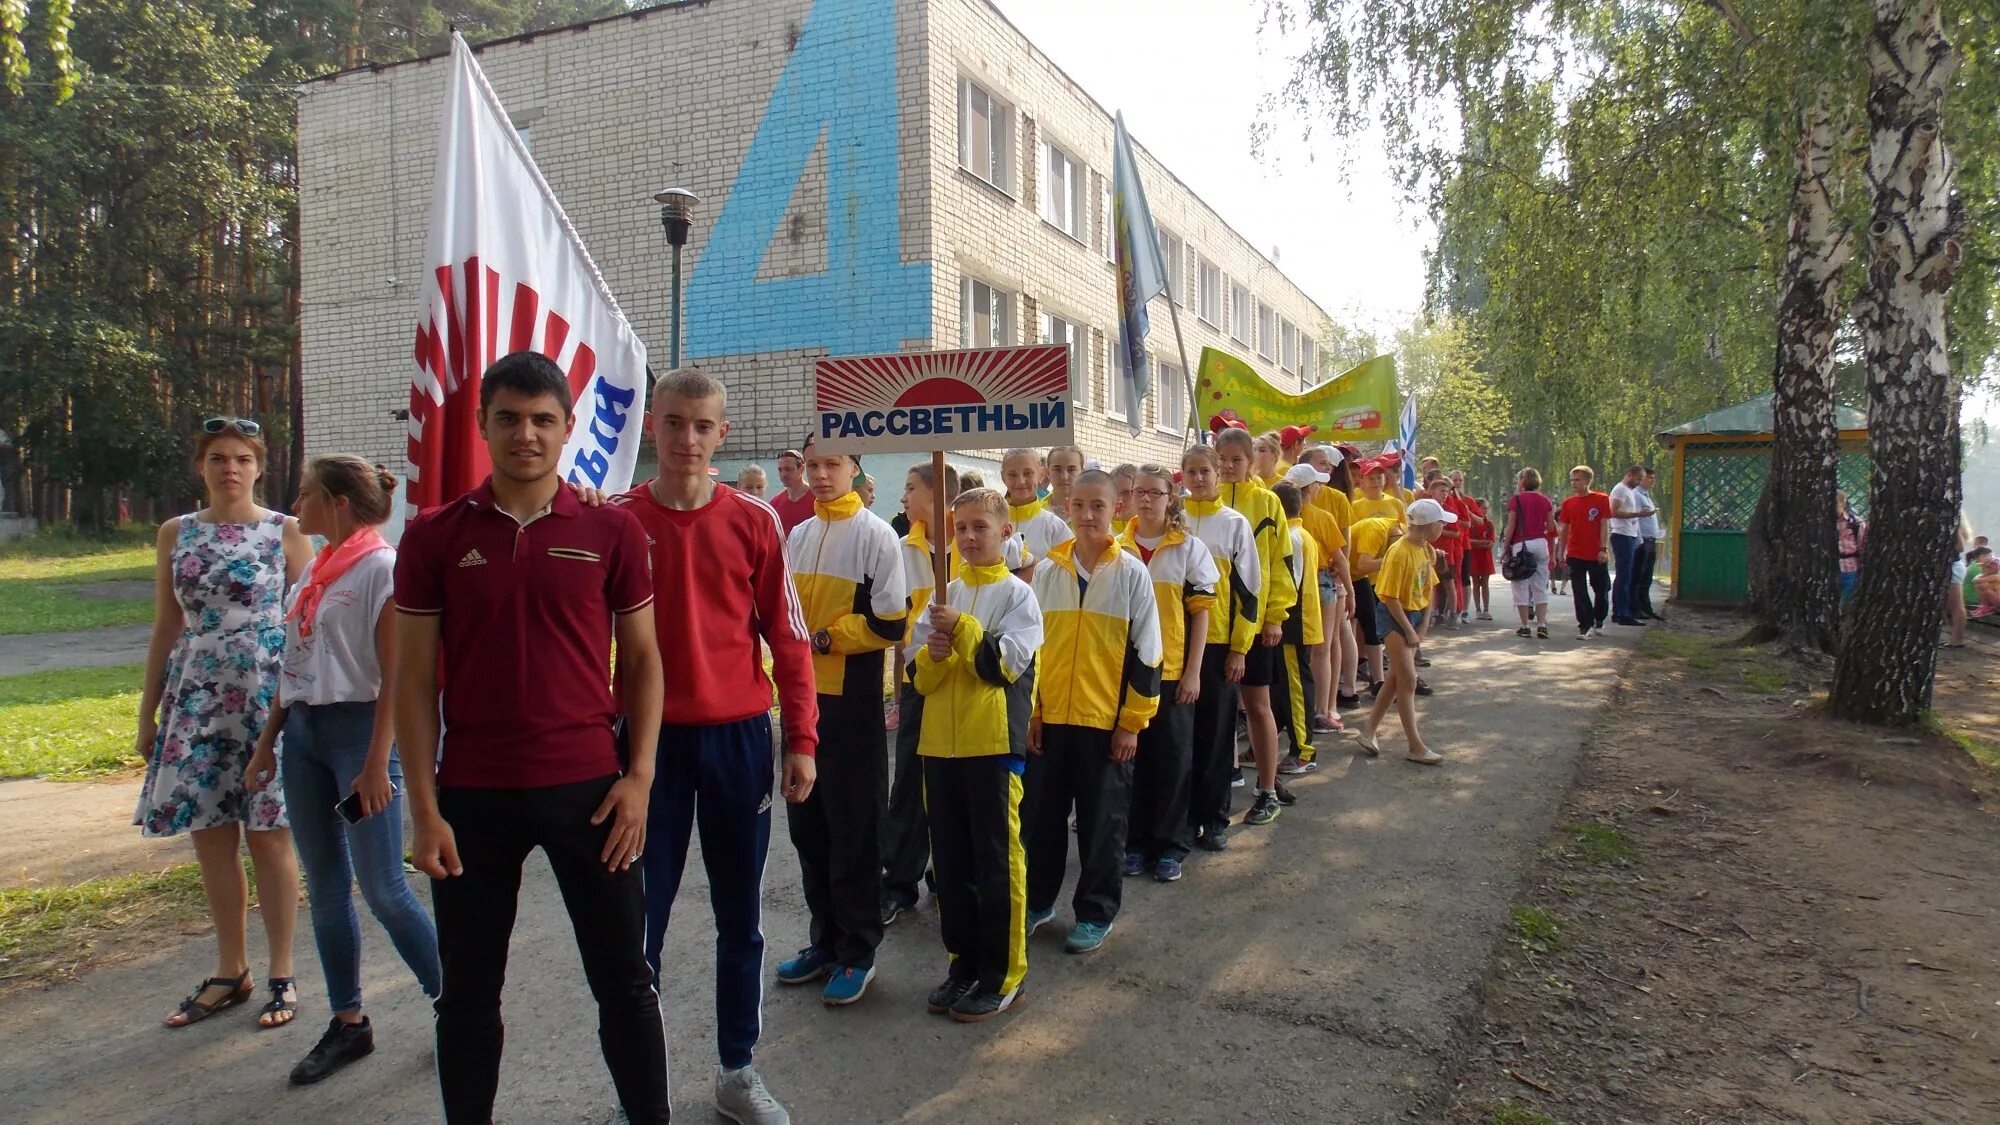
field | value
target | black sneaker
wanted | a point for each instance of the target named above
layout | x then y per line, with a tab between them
343	1043
1213	840
980	1005
1422	687
950	992
1285	796
1347	702
1263	810
893	906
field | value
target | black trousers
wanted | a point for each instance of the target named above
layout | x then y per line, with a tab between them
1160	778
905	827
837	830
982	871
495	830
1642	593
1075	770
1590	588
1213	763
1291	697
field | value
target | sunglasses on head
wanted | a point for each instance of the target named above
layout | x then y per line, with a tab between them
244	426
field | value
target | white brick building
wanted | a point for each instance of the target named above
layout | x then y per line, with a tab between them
876	175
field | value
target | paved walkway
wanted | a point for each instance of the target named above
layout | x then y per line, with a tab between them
86	648
1324	969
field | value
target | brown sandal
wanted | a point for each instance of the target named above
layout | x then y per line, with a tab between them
193	1011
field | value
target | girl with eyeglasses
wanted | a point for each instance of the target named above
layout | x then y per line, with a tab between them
211	675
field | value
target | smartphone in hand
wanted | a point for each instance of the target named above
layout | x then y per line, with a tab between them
350	809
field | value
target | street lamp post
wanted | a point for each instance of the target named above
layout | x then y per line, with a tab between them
677	216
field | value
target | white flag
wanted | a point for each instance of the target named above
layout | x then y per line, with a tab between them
506	272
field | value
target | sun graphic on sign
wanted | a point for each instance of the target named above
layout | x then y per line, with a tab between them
943	378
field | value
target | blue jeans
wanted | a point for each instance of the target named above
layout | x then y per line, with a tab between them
324	749
1624	552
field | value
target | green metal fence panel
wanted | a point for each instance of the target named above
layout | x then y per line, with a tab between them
1724	479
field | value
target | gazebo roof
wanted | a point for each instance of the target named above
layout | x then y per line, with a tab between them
1751	416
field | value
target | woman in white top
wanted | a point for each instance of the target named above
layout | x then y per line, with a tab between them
338	728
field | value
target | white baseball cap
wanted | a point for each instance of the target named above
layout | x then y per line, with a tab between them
1332	451
1303	474
1428	511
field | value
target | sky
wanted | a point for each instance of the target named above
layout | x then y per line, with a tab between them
1191	77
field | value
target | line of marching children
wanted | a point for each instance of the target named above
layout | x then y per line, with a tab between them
1101	637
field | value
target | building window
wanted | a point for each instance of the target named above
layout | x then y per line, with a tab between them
1267	331
1171	254
985	135
1170	398
986	315
1239	314
1062	192
1104	217
1208	292
1308	359
1288	340
1056	330
1115	395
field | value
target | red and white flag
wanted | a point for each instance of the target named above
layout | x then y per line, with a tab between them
508	273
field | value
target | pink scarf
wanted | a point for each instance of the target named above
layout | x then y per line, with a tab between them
328	566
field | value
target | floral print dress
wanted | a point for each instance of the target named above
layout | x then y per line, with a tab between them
221	679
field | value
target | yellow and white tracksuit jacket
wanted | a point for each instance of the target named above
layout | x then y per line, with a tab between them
1100	664
849	572
1184	583
1239	585
1303	625
978	700
921	580
1260	506
1037	529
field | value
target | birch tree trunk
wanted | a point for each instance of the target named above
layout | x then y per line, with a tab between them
1885	669
1794	566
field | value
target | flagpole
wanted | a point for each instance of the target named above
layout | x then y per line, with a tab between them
1187	372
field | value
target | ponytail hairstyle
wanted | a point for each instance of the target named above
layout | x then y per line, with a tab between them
1176	513
368	489
1199	453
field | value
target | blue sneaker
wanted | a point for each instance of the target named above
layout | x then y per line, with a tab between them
1135	863
1167	870
806	966
847	984
1039	918
1087	936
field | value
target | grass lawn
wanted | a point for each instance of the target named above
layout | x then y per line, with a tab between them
69	724
40	576
48	932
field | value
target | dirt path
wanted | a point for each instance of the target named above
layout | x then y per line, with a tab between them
67	831
1765	915
86	648
1323	969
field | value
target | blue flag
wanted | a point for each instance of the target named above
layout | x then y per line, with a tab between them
1142	276
1408	444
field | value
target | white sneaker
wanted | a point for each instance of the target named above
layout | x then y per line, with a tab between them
741	1097
1465	619
1597	630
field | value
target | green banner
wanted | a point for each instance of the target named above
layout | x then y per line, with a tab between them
1360	405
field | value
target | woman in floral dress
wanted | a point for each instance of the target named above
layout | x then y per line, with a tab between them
211	673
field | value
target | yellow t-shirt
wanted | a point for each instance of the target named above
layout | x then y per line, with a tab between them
1334	502
1371	536
1325	531
1406	574
1388	506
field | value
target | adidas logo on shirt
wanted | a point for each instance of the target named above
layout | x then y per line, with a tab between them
473	558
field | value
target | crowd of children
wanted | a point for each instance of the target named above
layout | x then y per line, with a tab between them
1104	635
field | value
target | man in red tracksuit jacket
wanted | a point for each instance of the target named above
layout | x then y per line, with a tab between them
721	586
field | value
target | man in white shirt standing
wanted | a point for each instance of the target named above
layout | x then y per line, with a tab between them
1627	509
1649	552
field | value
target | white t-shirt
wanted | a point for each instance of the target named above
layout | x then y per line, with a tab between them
337	664
1625	498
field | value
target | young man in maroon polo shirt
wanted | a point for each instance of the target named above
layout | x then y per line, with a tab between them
720	579
794	502
519	587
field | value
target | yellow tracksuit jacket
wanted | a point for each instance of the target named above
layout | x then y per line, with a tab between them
1239	584
1260	506
920	579
847	567
1100	662
1184	583
1303	625
977	701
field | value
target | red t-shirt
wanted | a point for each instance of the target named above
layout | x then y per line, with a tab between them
1454	546
792	512
721	582
525	633
1584	516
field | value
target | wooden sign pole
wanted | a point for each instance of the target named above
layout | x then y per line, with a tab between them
940	530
